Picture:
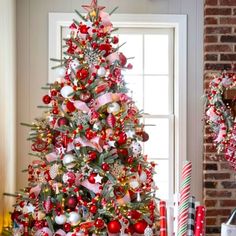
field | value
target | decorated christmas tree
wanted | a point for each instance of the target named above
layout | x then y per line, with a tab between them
89	176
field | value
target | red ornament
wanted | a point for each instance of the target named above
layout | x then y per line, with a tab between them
47	99
115	40
91	178
39	146
92	155
54	93
83	29
105	167
62	121
140	226
70	106
55	111
93	209
135	215
67	227
99	223
82	73
106	48
85	97
101	88
123	59
71	202
114	227
144	136
122	152
89	134
122	138
15	216
111	120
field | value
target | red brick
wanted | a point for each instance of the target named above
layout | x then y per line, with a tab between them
214	158
210	184
210	148
218	11
218	30
228	38
217	176
211	221
211	39
210	203
218	48
210	166
223	220
228	57
228	2
212	230
218	193
217	66
228	203
234	12
211	2
218	212
211	21
225	166
228	20
229	184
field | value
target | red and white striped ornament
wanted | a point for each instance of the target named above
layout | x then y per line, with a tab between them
111	120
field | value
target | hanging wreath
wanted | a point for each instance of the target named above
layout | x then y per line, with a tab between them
220	116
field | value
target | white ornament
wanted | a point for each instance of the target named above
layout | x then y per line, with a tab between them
53	171
61	72
44	231
130	133
113	108
67	91
101	71
74	218
69	161
143	177
74	64
98	179
136	148
134	184
60	220
148	232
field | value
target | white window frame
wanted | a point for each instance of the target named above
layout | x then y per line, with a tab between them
179	24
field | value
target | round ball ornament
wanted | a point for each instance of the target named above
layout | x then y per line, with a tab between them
134	184
61	72
93	209
140	226
101	72
69	161
136	148
99	223
67	91
74	218
44	231
82	74
60	220
71	202
46	99
70	106
113	108
105	167
145	136
92	155
91	178
114	227
63	121
122	138
85	97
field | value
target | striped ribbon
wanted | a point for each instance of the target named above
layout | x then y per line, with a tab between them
184	199
191	216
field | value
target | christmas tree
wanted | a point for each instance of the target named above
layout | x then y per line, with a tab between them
89	176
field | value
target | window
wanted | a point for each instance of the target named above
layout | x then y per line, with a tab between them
158	81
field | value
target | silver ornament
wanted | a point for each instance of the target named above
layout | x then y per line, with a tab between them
69	161
148	232
101	71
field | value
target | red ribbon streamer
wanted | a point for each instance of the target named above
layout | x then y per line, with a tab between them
199	221
163	221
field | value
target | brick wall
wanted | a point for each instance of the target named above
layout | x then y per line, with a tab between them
219	54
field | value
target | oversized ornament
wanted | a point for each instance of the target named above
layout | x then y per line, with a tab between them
69	161
74	218
136	148
99	223
140	226
46	99
113	108
71	202
111	120
85	96
60	220
67	91
44	231
114	227
101	72
62	121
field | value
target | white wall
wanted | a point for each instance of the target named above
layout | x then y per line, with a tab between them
7	106
32	59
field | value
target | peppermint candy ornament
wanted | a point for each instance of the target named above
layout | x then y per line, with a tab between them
148	232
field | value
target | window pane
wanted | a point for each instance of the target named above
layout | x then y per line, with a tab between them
135	84
156	94
158	143
133	48
161	178
156	54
